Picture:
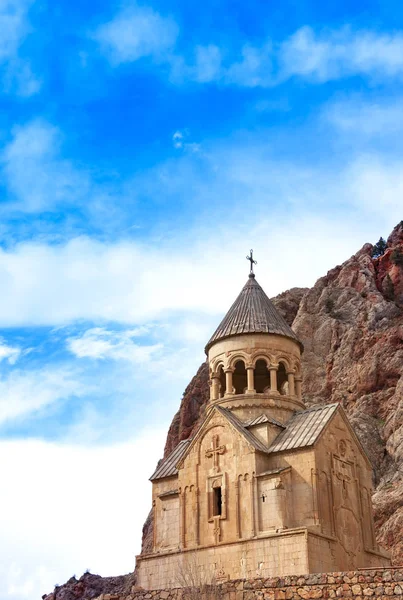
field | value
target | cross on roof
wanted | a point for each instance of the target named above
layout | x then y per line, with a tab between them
252	262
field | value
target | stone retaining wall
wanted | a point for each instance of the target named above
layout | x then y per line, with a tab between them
381	584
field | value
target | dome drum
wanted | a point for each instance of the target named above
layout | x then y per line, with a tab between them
255	364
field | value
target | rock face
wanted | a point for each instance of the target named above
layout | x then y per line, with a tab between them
91	586
193	402
351	324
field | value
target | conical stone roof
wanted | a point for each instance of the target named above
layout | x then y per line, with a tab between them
252	312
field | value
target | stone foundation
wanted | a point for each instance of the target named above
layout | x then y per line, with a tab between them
360	585
288	552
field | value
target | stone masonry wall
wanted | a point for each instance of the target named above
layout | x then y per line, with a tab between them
361	584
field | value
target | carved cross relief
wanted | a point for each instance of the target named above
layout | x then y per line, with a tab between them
215	451
344	474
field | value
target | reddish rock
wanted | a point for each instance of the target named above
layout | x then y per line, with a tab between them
91	586
191	408
351	324
287	303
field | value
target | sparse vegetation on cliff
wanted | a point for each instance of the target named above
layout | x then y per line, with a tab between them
379	248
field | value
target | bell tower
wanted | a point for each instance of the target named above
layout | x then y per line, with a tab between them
265	486
255	358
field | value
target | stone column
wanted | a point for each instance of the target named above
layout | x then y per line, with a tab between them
273	378
291	383
298	388
237	509
197	516
154	528
250	372
215	386
228	382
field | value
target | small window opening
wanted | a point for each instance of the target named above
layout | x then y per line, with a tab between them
240	378
262	376
222	382
217	502
282	380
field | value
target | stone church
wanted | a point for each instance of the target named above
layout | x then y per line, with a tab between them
265	486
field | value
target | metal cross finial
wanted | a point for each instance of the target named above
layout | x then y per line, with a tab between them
252	262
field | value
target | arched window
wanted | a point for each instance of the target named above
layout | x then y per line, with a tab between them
282	379
239	379
221	376
262	376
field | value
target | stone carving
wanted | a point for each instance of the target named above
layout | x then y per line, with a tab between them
215	452
282	501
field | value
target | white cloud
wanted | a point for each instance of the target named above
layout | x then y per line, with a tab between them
255	69
342	53
318	56
23	393
14	27
9	353
111	281
101	343
37	176
208	64
366	118
177	139
179	142
135	33
20	78
74	507
84	279
377	185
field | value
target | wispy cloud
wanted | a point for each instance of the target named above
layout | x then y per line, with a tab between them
37	175
330	55
355	116
180	141
9	353
22	393
316	56
136	32
14	27
100	343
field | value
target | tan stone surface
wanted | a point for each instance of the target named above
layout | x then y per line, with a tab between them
237	510
352	334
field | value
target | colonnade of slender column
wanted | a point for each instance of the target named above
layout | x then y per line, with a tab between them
294	383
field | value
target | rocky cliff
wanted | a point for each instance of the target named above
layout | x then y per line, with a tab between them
351	324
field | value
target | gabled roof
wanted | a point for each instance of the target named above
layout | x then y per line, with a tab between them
301	431
304	428
263	419
252	312
167	468
239	426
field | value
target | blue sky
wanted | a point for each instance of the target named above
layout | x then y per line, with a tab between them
144	148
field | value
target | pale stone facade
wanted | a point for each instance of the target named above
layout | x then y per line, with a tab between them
266	486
